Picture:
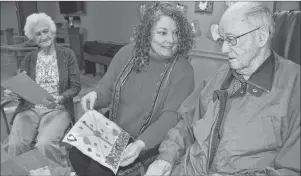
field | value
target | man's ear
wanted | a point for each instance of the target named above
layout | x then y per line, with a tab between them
264	35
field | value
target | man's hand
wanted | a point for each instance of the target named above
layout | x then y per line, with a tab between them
159	168
132	152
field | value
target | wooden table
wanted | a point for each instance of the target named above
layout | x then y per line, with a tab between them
20	50
22	164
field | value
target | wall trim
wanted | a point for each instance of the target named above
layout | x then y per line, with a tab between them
208	54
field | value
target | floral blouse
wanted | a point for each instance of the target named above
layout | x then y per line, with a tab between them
47	75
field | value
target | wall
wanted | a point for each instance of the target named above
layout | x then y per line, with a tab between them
9	15
112	21
48	7
103	20
285	5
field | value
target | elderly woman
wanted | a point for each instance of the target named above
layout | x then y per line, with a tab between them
55	69
144	86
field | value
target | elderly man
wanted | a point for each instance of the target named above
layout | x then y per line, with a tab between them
244	119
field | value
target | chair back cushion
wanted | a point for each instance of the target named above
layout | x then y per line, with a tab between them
286	41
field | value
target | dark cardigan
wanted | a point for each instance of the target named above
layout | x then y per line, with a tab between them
69	77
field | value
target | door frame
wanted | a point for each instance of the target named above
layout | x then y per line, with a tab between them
20	15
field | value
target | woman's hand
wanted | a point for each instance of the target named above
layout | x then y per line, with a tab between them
132	152
51	101
88	101
58	99
159	168
9	93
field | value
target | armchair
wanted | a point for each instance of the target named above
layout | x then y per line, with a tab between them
286	41
6	101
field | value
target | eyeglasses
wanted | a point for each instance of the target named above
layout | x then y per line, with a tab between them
232	40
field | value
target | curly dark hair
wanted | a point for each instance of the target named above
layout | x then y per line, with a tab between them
143	32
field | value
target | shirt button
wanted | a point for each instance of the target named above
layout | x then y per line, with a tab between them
254	90
241	91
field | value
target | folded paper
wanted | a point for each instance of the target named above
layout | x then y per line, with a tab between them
25	87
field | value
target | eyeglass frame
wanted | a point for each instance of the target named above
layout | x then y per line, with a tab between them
236	37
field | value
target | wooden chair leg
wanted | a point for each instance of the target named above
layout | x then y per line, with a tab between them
5	120
5	102
105	68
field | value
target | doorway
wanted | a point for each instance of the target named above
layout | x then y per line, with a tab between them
24	8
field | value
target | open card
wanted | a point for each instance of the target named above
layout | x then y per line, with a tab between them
99	138
26	88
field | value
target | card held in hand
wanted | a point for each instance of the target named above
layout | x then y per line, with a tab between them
26	88
99	138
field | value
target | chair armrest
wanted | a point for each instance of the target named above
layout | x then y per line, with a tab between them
4	102
7	100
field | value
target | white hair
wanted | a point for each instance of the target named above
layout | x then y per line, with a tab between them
259	15
33	20
256	14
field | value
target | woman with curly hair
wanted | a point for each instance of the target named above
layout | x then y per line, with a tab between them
144	86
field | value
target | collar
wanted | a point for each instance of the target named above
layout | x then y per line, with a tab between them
263	77
261	80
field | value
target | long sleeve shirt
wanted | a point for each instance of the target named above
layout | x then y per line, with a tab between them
138	91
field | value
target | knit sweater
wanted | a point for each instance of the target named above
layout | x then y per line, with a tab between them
137	95
69	78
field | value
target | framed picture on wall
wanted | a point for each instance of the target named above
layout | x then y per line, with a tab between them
142	8
196	28
204	6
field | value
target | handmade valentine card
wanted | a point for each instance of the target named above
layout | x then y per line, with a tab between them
99	138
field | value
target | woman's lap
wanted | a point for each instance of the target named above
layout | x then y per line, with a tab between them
85	166
50	124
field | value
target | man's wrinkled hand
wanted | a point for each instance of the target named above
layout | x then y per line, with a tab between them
132	152
159	168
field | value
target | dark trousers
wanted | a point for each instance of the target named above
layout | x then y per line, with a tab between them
85	166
